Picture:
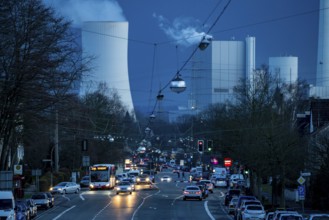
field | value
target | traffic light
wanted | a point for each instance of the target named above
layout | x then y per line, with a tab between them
200	145
209	145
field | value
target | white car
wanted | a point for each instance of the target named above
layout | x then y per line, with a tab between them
253	212
124	187
192	192
65	187
165	179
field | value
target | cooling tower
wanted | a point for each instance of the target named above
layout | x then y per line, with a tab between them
284	68
107	41
322	73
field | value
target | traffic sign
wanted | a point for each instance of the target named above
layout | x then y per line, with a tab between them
301	192
307	174
301	180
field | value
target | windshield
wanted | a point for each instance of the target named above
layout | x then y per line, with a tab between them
6	204
99	176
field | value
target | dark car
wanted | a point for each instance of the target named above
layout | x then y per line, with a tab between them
20	213
33	207
84	182
23	208
204	190
50	198
230	194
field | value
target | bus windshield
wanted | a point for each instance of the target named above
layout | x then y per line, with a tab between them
99	176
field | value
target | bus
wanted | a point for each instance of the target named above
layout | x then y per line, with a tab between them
102	176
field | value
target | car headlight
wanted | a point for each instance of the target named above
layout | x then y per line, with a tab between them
138	179
51	188
107	185
118	188
147	179
129	188
117	181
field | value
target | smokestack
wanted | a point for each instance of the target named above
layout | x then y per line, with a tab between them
322	73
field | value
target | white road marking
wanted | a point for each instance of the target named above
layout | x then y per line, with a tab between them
63	213
207	210
136	210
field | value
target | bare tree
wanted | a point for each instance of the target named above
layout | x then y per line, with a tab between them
40	61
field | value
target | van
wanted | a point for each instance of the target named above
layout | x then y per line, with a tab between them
7	205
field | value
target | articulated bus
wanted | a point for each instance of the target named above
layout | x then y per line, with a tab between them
102	176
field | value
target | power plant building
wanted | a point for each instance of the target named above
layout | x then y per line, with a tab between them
107	42
285	69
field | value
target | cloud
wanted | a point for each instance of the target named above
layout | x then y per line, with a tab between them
185	31
79	11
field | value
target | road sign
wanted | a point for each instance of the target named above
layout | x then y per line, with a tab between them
305	174
301	180
301	192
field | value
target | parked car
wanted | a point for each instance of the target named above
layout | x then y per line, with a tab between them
318	216
22	207
192	192
32	206
245	203
269	216
84	182
278	213
7	205
50	198
253	212
230	194
41	200
238	205
123	187
292	216
232	204
20	213
65	187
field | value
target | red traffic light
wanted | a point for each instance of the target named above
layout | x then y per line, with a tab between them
200	145
227	162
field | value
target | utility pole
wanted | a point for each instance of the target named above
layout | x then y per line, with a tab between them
56	143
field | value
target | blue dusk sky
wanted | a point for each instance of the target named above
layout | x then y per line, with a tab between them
160	35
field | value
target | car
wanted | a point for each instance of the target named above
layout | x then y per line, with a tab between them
165	178
318	216
84	182
131	181
278	213
232	204
151	174
243	205
22	207
123	187
20	213
230	194
41	200
204	190
51	199
253	212
292	216
32	206
219	181
209	185
65	187
143	179
192	192
7	205
269	216
238	205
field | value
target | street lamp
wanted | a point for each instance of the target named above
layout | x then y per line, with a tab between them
177	85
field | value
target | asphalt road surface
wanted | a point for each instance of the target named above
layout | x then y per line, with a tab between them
162	201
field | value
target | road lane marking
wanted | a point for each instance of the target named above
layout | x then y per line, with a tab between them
207	210
136	210
100	211
60	215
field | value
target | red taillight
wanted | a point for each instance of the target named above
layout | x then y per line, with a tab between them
198	192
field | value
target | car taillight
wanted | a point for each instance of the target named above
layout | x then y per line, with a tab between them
185	192
198	192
